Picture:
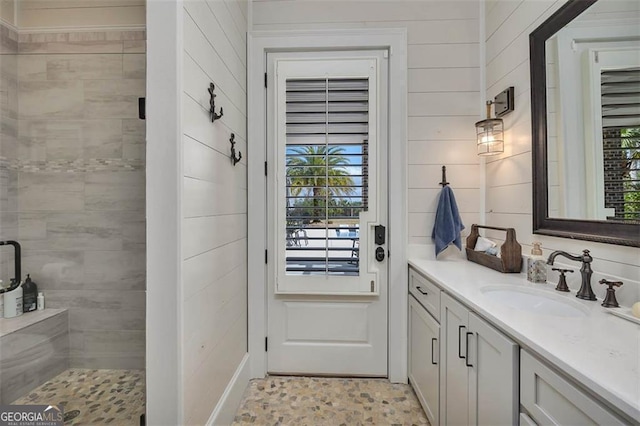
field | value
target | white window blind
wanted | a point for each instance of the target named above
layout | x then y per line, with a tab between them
620	95
327	126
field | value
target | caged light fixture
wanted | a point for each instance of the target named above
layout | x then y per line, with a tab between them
490	131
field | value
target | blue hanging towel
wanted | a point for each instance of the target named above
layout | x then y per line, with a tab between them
448	224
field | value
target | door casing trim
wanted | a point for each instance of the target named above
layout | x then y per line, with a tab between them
259	44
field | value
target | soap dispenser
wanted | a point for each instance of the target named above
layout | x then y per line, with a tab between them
537	265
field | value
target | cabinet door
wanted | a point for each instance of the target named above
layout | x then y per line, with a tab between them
493	377
424	368
454	380
552	400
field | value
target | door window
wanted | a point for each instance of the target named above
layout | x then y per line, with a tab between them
326	152
326	161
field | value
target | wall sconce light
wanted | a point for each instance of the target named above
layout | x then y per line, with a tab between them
490	131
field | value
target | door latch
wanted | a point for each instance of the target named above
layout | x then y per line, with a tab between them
380	234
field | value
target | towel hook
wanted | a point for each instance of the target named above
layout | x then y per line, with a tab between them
444	177
212	103
235	159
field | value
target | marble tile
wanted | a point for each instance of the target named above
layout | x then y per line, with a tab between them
55	270
33	354
102	138
90	47
133	230
50	139
133	139
112	342
328	401
107	319
81	231
84	67
34	340
115	270
44	37
112	98
32	67
94	397
15	324
21	380
66	149
117	191
87	36
134	362
9	194
96	299
135	46
8	46
51	99
51	191
134	66
133	35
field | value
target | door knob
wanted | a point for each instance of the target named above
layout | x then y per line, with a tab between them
379	254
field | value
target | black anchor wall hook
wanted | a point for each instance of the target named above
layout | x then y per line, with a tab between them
235	159
212	102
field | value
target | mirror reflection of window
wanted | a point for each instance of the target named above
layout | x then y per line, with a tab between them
592	123
620	96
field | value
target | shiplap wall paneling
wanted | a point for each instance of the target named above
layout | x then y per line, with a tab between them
443	85
214	203
508	176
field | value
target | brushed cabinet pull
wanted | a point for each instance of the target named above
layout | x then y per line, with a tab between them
459	343
433	340
466	361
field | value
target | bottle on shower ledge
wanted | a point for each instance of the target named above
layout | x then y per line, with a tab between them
537	265
13	302
29	295
41	301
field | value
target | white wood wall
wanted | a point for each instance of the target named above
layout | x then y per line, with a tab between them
214	207
444	85
509	181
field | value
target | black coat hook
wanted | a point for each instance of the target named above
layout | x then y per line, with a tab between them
444	177
235	159
212	102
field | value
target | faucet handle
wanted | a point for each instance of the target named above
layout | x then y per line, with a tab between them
562	282
610	299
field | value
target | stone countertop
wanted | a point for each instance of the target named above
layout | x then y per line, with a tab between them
11	325
600	351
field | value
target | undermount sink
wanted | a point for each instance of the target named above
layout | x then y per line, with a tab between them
534	301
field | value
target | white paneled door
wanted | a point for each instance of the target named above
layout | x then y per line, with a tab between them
327	180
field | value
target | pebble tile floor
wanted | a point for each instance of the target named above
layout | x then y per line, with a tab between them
94	397
299	401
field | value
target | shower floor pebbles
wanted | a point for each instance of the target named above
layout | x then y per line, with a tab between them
93	397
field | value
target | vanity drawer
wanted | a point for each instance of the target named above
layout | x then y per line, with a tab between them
425	292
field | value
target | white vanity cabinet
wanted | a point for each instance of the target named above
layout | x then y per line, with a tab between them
424	367
550	399
424	343
479	370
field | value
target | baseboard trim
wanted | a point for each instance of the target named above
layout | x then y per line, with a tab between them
225	411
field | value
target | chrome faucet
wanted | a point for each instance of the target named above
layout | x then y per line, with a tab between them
585	291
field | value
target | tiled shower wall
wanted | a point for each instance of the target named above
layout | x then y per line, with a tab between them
8	147
81	187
